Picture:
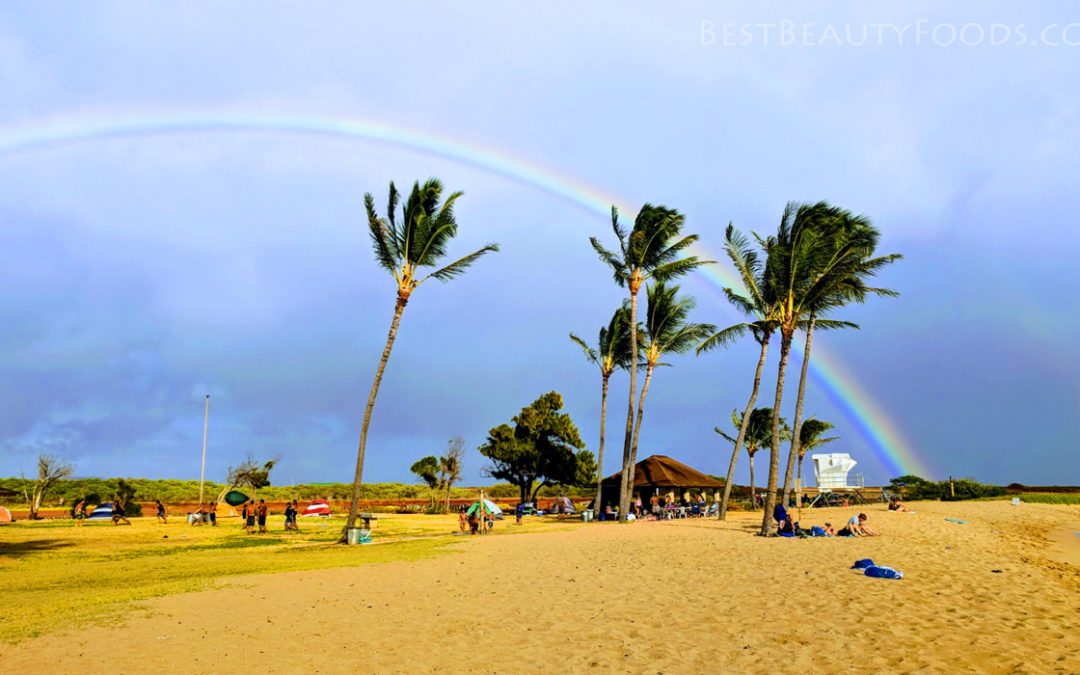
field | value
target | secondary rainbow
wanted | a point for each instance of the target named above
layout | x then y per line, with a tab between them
858	406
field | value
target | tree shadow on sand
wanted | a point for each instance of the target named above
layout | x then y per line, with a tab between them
22	548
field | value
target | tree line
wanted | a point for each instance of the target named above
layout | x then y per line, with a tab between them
818	261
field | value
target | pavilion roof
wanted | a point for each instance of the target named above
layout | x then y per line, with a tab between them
663	471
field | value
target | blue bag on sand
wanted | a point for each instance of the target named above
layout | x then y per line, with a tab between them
862	564
786	534
882	572
816	531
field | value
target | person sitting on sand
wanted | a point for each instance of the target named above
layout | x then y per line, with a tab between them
897	505
783	520
161	512
856	528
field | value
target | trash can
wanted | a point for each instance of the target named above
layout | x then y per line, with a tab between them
353	536
586	515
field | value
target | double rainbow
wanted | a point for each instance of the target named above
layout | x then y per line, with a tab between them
856	404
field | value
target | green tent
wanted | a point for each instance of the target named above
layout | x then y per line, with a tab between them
489	507
235	498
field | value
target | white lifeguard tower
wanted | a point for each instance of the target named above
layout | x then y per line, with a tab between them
831	470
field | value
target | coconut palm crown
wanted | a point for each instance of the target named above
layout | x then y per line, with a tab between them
652	249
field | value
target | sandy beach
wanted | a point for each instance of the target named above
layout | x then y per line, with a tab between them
992	595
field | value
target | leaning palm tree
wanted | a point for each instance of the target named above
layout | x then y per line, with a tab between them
403	248
612	351
759	305
851	241
646	251
802	257
757	434
810	438
667	331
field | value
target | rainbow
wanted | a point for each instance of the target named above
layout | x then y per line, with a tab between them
857	405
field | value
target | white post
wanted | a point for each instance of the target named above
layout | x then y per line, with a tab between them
202	471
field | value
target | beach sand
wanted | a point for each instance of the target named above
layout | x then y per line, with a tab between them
683	596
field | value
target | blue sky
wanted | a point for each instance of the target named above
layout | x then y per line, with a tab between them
138	274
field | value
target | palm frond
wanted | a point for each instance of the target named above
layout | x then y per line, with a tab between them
382	237
724	337
590	353
677	268
458	267
617	266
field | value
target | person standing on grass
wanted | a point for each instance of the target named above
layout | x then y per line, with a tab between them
161	512
290	513
249	518
262	511
80	513
463	519
211	510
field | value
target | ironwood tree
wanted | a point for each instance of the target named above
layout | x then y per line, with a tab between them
541	448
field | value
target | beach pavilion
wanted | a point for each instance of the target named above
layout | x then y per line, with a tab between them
662	476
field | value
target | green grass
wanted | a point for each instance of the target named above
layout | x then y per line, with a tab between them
1048	497
54	575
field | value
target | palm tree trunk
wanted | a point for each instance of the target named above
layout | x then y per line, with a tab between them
637	429
795	440
742	427
624	487
600	453
802	486
753	492
774	451
399	307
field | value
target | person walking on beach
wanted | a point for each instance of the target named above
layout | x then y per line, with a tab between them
463	519
161	512
211	510
262	511
80	513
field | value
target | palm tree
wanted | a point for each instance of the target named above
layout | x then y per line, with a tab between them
804	258
667	331
645	252
851	241
757	433
810	439
612	351
758	303
402	248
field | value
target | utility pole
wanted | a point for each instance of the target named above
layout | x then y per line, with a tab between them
202	471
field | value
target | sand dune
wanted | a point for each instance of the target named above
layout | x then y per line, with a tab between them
686	596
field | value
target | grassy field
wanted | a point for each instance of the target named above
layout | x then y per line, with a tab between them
1048	497
54	575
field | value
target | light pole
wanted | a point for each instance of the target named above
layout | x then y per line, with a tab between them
202	471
